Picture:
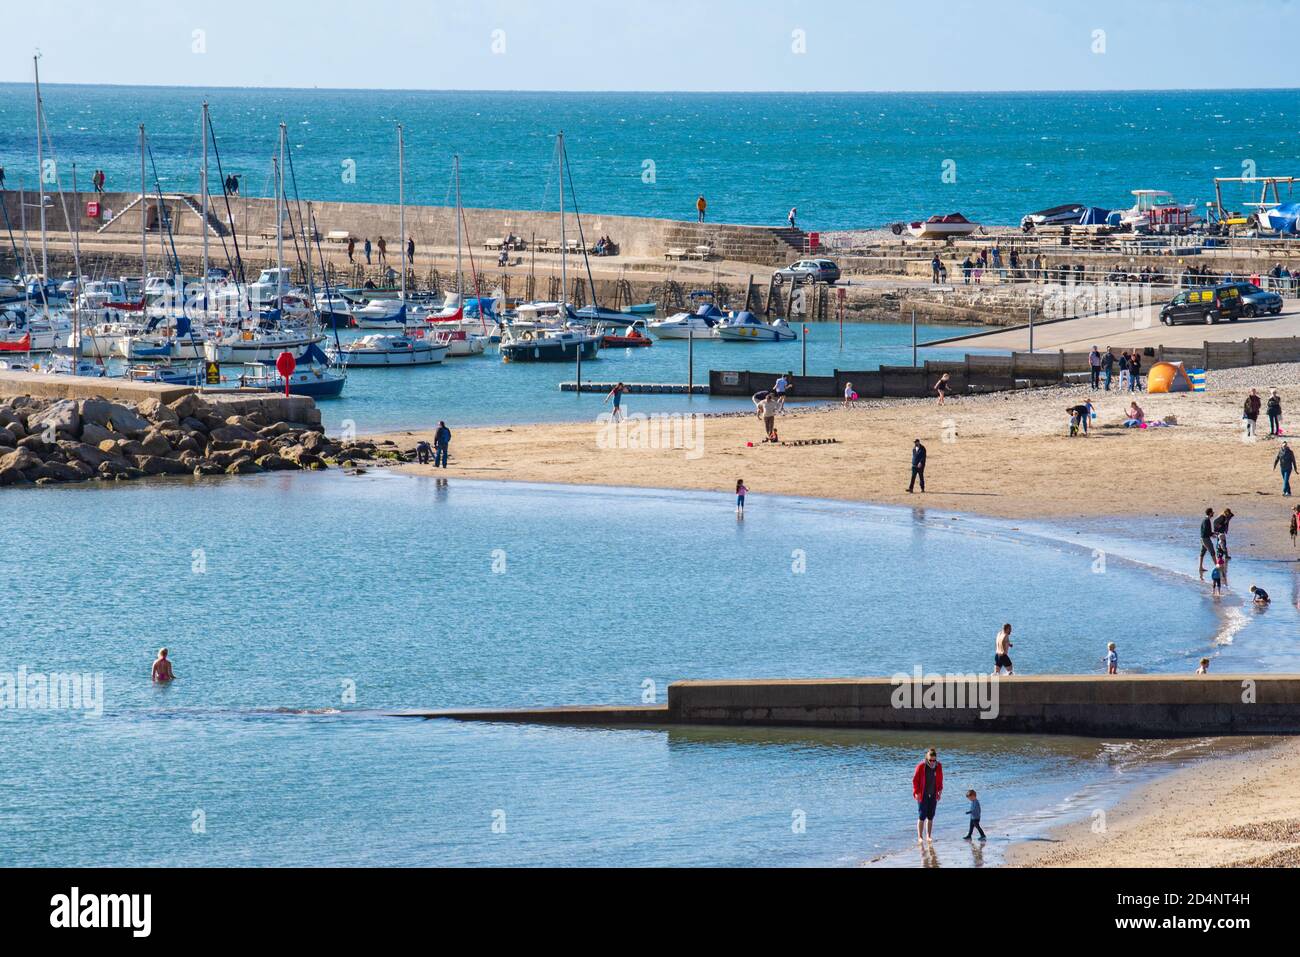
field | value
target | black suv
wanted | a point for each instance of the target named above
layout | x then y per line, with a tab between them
1208	304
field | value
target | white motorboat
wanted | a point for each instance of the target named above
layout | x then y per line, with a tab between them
1157	210
943	227
746	327
461	343
700	324
383	349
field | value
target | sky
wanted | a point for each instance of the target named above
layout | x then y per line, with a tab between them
678	45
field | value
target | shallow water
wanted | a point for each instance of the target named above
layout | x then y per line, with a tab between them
274	592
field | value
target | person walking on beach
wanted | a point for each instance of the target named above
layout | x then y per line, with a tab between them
1111	658
790	217
1274	410
382	244
935	264
779	388
1285	460
1221	531
162	668
927	790
1207	540
616	394
942	386
1250	412
352	248
741	492
700	207
366	249
1002	646
1094	364
918	465
441	439
974	812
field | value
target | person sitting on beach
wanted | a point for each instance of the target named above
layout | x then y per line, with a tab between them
1261	596
1002	651
1136	417
1112	659
162	668
1204	667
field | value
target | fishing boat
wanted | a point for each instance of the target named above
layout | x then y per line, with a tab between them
952	226
700	324
1158	211
744	326
385	349
633	337
559	344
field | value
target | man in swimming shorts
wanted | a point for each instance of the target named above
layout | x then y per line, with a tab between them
1002	651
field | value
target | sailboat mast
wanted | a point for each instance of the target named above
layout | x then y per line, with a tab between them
564	246
401	209
455	161
279	218
40	170
144	204
205	209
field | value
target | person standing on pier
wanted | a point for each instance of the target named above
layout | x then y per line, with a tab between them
366	249
441	439
1002	646
935	265
1286	462
918	465
383	251
700	207
927	790
410	250
790	216
352	248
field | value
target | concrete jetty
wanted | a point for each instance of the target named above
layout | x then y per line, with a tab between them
1131	706
42	386
638	388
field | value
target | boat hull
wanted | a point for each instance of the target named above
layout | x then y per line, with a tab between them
541	350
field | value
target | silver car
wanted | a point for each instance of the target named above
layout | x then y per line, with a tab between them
807	271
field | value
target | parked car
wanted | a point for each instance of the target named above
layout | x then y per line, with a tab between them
1208	304
1256	301
808	270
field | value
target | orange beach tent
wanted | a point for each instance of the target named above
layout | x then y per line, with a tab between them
1168	377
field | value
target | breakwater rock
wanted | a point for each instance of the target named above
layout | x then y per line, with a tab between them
52	441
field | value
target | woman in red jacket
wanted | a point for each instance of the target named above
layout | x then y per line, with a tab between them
927	788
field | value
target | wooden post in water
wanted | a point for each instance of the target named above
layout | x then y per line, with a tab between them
578	389
913	338
690	360
1031	329
804	371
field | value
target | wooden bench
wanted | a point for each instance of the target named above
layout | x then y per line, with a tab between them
702	252
496	242
337	236
675	254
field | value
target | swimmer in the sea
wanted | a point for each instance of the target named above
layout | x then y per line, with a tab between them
162	668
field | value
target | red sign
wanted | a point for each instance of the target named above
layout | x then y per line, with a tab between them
92	209
814	240
285	364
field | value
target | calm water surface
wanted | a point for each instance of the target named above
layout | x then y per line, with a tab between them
278	593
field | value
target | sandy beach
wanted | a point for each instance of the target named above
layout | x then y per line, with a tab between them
1002	455
1006	456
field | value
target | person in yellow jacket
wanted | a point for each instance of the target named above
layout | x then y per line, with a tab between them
700	206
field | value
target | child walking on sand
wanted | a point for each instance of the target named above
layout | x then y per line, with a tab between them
1111	659
974	812
740	497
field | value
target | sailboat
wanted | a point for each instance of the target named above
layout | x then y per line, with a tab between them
461	325
567	339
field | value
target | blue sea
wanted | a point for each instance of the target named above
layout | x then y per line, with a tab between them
301	609
847	160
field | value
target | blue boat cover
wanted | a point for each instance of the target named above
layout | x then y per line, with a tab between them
1093	216
1285	218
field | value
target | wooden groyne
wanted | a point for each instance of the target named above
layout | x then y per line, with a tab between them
1131	706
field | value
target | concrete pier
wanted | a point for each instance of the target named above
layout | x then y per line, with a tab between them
42	386
1131	706
638	388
